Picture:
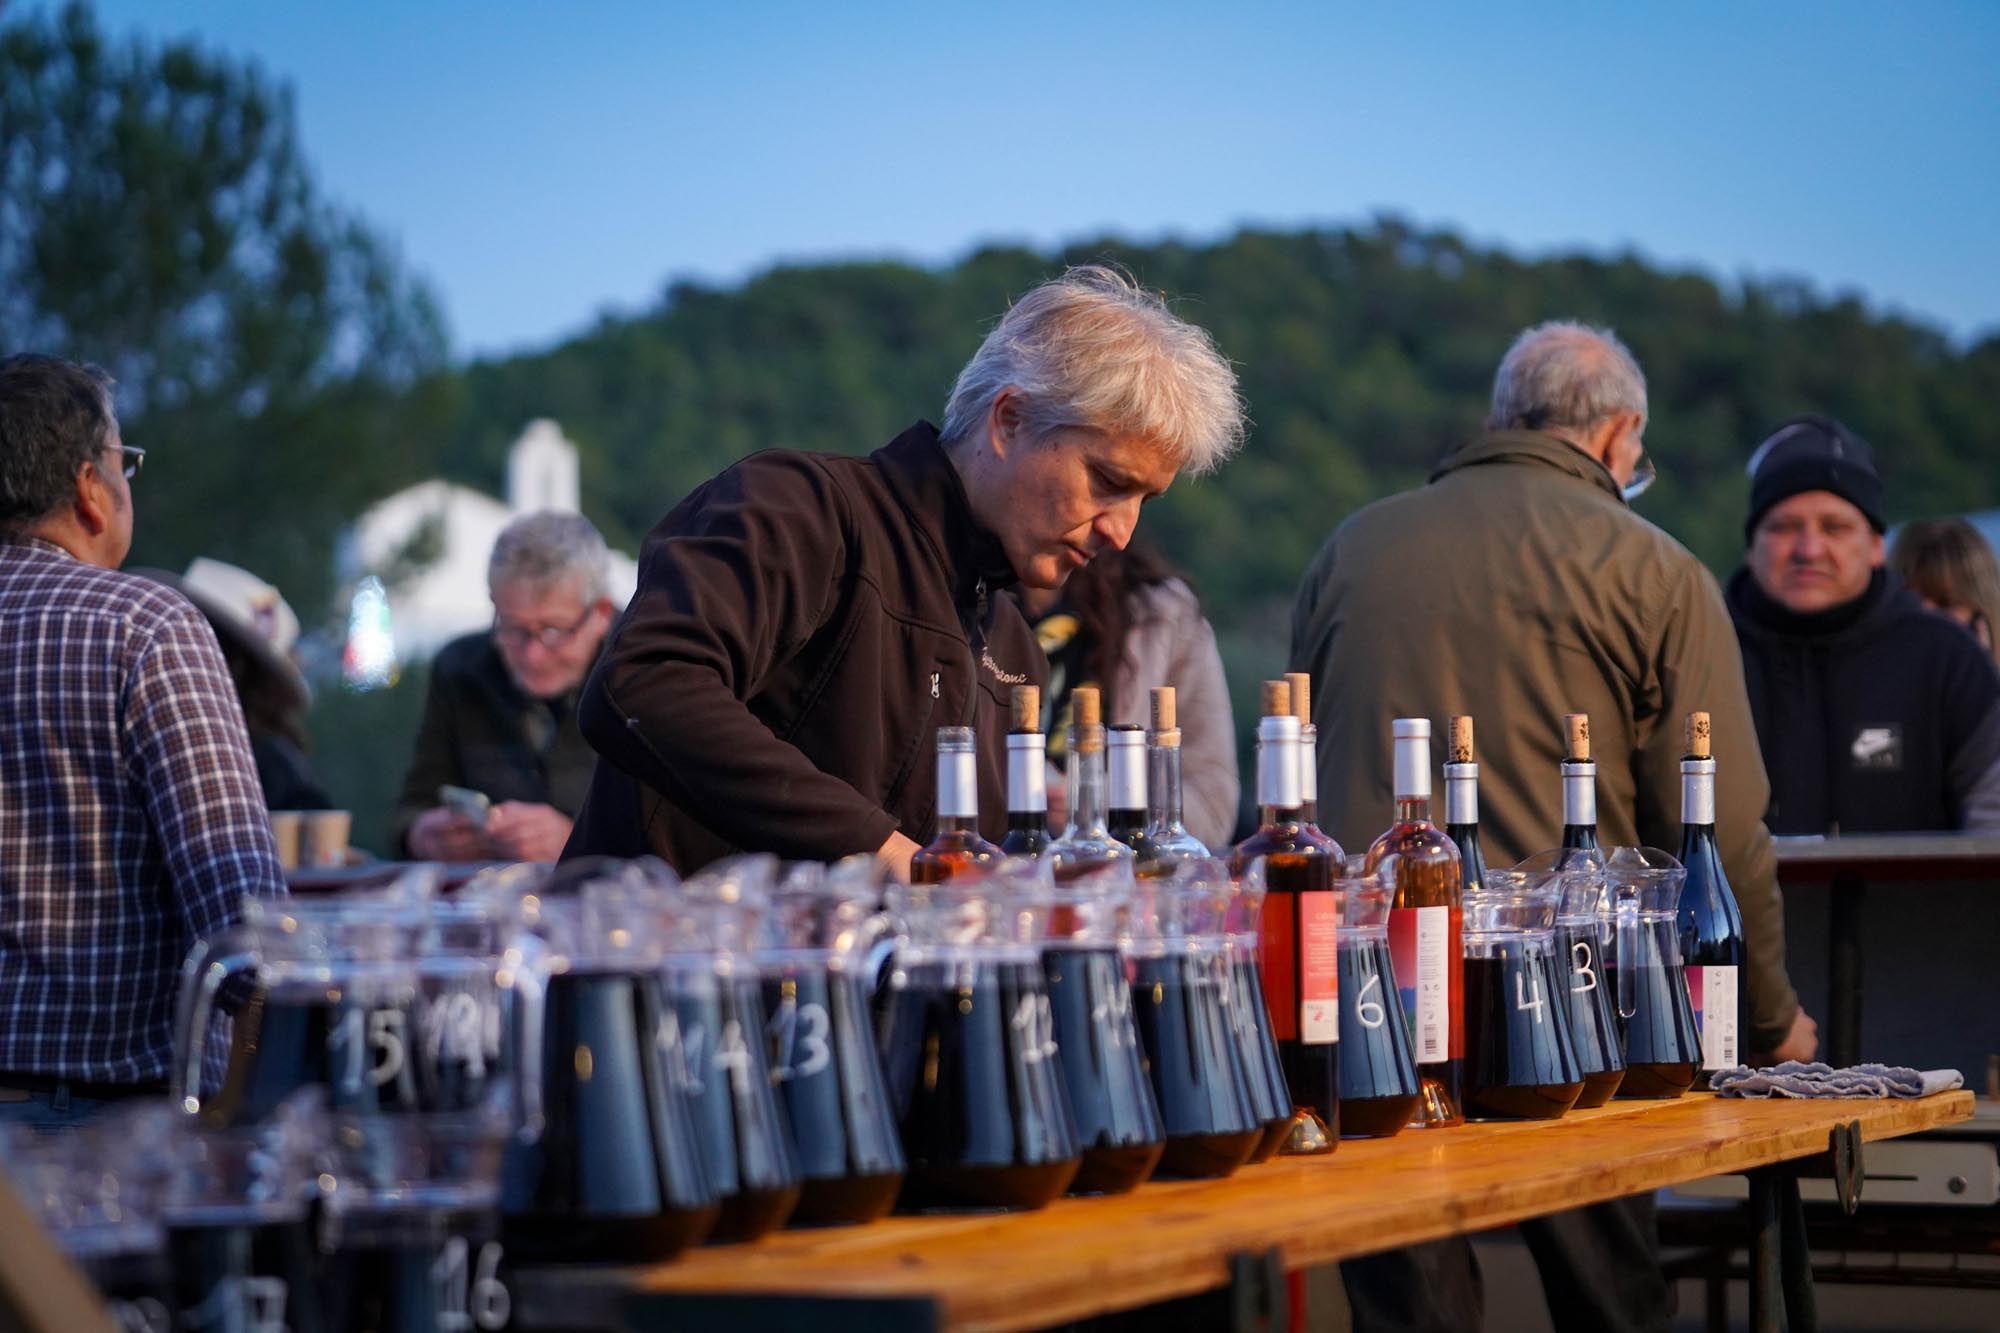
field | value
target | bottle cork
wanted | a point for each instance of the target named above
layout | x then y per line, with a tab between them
1277	699
1086	716
1165	713
1698	736
1302	685
1027	708
1460	739
1576	730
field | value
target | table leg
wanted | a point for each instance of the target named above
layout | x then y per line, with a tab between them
1767	1285
1843	947
1800	1307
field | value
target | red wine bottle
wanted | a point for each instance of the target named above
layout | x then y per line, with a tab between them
1298	944
1711	926
1579	779
957	844
1027	777
1425	928
1461	805
1300	683
1126	748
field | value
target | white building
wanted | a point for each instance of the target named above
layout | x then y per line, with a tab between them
428	544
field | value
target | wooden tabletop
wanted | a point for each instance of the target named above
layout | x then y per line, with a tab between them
1083	1257
1887	856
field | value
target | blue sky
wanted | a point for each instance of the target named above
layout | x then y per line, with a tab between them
543	163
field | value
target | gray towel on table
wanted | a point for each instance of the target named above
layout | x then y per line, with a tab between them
1796	1079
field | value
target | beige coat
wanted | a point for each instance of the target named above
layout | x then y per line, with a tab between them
1516	587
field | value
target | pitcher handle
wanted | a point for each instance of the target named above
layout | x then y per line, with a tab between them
210	964
531	989
1626	923
876	945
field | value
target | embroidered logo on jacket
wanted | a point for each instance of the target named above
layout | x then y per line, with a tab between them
1004	677
1878	749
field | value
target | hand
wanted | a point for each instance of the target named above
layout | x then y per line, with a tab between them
894	856
1801	1043
526	831
446	835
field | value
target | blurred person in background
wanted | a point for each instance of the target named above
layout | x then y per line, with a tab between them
1516	586
256	629
1875	714
1950	568
804	622
501	716
1126	622
131	823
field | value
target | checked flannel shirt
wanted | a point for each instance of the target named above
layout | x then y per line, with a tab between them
131	822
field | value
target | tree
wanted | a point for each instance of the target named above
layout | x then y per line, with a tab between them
157	216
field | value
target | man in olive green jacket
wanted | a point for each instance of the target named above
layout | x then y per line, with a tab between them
1519	586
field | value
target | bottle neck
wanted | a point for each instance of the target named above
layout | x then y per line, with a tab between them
1087	809
1308	766
1027	774
1127	770
1461	795
1698	794
1163	789
1579	794
1278	796
1413	779
957	787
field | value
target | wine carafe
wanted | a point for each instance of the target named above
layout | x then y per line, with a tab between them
1662	1046
968	1044
1117	1120
718	1000
1520	1062
1184	1001
1270	1097
1583	927
618	1173
1379	1087
814	962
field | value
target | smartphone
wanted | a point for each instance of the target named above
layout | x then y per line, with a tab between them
474	805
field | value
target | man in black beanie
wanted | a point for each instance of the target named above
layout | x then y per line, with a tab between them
1875	714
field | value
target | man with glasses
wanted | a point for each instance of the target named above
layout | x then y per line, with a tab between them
500	720
131	822
1876	715
1518	586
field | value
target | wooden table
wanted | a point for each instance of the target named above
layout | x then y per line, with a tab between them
1844	864
1084	1257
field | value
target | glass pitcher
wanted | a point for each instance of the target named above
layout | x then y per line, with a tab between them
1090	999
1584	923
618	1173
1184	1000
718	1000
1662	1044
1520	1060
1378	1071
968	1044
814	957
331	993
1270	1097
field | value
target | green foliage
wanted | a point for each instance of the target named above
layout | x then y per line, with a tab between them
157	217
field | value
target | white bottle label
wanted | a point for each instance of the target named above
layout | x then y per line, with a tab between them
1713	990
1433	984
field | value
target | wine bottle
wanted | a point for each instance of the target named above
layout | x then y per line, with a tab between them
957	844
1298	944
1166	841
1300	683
1711	926
1027	777
1087	843
1461	805
1126	746
1579	778
1425	923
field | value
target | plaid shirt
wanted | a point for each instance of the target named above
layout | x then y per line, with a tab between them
130	817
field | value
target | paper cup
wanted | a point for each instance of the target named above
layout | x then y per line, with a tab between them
325	840
286	827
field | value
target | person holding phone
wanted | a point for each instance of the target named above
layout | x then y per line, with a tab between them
500	719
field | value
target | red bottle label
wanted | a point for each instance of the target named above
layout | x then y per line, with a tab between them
1298	947
1425	950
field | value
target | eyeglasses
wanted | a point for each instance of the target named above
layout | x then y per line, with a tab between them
134	459
549	636
1644	474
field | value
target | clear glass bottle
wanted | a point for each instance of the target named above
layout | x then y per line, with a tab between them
1087	843
957	843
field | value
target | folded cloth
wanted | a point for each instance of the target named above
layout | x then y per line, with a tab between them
1796	1079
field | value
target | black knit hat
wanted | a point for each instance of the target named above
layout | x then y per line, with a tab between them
1814	453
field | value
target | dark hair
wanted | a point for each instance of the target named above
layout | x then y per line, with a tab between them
1104	597
1948	564
55	416
269	709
